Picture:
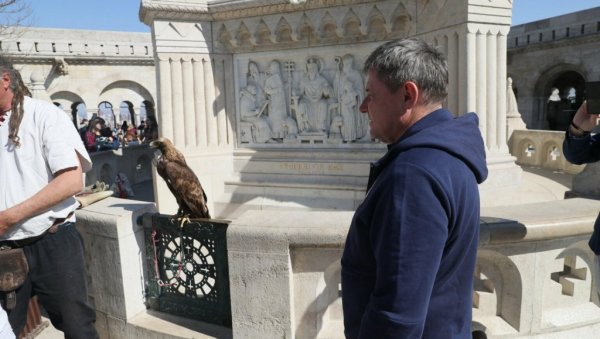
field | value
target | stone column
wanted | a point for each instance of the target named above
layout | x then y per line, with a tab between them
196	108
476	51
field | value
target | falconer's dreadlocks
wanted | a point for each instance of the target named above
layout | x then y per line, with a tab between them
19	92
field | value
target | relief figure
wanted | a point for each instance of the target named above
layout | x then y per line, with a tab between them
282	126
314	92
253	114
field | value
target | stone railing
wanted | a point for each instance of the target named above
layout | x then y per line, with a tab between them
541	148
70	44
534	274
134	161
535	271
573	25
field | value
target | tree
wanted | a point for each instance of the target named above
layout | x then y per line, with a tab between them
13	14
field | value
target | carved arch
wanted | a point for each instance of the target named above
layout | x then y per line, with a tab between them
581	250
400	20
328	28
306	29
352	26
529	147
376	24
284	31
263	34
244	37
500	276
224	36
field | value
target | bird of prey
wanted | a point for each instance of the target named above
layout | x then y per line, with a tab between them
181	180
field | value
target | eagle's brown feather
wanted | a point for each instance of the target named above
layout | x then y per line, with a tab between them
181	180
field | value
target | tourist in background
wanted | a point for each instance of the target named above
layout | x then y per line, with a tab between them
141	126
409	258
42	168
95	140
151	130
83	127
581	147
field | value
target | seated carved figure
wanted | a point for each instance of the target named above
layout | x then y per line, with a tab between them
261	132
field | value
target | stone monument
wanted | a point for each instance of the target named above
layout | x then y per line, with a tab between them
300	141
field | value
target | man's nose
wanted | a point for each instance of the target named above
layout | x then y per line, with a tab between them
363	106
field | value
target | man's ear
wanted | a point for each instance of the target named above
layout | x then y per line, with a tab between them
411	93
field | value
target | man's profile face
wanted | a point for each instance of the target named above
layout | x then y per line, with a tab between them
385	109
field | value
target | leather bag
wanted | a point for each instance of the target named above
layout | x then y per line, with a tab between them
13	272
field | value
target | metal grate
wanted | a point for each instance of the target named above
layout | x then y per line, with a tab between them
187	269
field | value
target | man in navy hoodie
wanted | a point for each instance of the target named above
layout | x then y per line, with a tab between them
407	267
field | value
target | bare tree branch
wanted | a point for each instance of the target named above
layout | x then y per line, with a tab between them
13	14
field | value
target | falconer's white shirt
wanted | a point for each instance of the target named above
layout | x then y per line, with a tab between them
49	143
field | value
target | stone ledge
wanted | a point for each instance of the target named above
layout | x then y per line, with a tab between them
279	230
538	221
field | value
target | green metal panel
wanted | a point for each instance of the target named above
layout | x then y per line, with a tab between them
187	269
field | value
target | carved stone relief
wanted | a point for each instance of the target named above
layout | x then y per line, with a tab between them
313	99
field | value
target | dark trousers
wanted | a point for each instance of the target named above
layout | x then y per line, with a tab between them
57	276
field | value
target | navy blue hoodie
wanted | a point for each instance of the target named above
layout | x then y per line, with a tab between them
408	262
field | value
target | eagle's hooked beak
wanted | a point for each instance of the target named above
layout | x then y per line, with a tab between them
154	144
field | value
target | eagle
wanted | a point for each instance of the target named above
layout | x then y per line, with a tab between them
181	180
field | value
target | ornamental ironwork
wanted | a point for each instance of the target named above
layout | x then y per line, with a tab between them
187	269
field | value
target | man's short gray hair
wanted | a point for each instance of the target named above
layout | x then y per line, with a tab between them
412	59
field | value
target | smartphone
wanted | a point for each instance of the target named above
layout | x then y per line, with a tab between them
592	97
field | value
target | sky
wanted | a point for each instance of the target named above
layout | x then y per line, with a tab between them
122	15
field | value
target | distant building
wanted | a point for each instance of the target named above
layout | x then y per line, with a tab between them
111	74
559	52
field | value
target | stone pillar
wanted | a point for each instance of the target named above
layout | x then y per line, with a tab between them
196	108
477	55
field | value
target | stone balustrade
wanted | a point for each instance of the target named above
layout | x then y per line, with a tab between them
33	42
540	148
534	273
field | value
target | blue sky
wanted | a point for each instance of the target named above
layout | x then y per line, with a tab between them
122	15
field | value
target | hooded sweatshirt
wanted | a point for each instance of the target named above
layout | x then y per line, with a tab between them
408	262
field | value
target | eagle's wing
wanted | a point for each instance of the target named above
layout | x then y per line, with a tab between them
161	168
186	187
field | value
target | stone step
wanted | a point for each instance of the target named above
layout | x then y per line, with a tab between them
157	325
154	325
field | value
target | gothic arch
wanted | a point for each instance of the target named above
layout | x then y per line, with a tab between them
283	31
400	22
376	24
328	28
351	24
243	36
561	76
263	34
306	29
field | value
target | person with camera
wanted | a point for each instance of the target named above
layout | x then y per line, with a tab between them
582	147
